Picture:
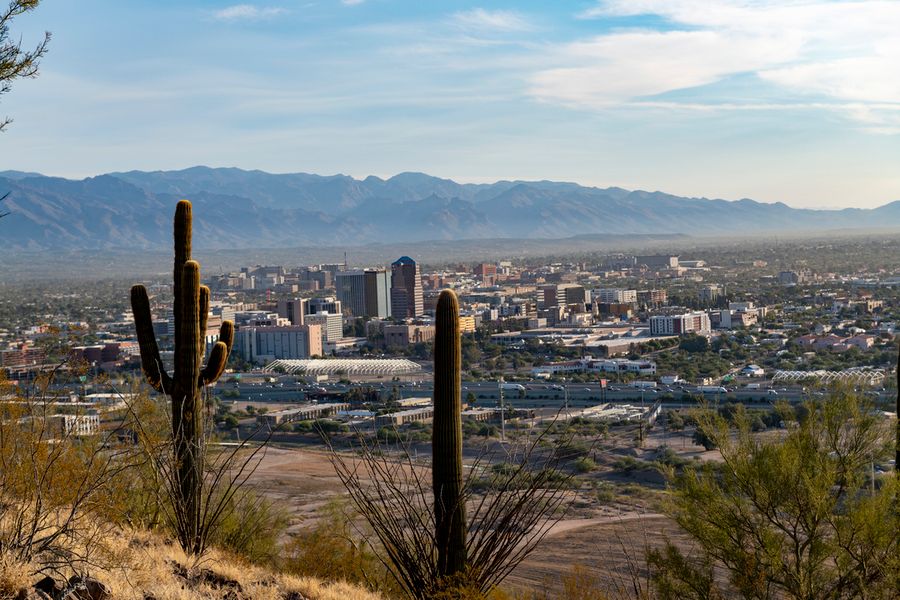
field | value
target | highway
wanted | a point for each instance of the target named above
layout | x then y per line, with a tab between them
285	390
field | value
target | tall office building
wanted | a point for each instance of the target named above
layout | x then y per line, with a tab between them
406	289
378	293
549	296
366	293
332	325
330	304
351	290
328	314
293	309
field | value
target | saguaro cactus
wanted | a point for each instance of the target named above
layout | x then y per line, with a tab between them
191	310
446	440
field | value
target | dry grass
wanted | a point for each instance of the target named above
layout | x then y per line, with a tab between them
140	565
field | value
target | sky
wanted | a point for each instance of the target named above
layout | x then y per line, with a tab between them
779	101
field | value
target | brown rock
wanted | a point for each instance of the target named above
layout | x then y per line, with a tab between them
88	588
49	586
32	594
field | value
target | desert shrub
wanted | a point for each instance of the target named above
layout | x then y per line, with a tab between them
332	549
251	528
53	479
585	464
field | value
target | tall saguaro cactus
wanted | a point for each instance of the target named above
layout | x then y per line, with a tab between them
447	470
191	310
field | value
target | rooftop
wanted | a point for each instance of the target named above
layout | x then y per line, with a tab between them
347	366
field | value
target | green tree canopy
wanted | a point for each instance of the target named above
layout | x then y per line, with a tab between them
16	63
794	516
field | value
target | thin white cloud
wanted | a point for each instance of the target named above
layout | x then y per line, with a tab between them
352	2
247	12
496	20
844	51
614	69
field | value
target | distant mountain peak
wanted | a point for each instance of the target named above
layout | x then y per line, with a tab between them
237	208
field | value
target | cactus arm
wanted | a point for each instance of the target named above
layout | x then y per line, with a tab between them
215	366
218	357
151	363
447	476
204	312
226	334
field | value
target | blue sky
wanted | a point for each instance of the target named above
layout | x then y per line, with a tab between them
792	101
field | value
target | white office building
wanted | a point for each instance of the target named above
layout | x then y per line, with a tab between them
615	296
265	344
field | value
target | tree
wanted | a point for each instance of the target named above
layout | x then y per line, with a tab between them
792	517
702	438
16	63
694	343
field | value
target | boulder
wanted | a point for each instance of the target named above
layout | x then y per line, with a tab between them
87	588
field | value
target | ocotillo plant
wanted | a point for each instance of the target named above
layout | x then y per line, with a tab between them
441	538
191	310
446	441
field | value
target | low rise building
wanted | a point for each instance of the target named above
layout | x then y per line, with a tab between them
423	414
307	412
588	364
400	336
265	344
680	324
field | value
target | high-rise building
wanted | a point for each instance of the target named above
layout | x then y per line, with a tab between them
550	296
294	310
487	273
327	313
407	301
365	293
332	325
378	293
711	293
351	289
329	304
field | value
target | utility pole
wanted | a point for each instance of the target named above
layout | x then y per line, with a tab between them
502	419
641	419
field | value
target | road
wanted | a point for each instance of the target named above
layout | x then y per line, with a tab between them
534	394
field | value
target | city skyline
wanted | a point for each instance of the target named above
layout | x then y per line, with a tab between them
732	99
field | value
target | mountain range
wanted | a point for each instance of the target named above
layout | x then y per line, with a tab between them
236	209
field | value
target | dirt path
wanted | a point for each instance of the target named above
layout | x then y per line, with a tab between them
608	549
